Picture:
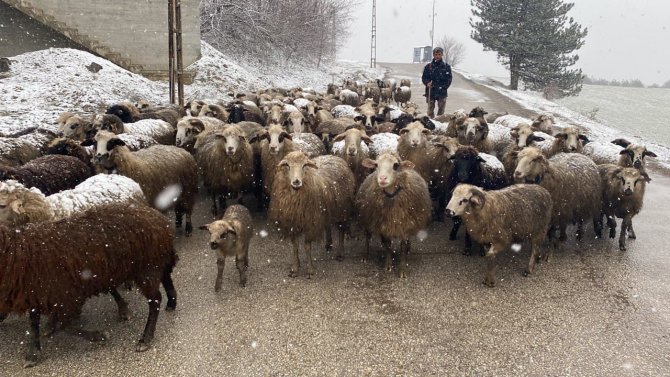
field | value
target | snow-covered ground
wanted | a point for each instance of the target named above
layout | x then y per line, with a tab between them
600	130
44	83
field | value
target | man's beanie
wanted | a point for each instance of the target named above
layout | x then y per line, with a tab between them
438	49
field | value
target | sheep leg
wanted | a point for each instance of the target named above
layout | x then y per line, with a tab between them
580	229
122	305
534	254
222	204
368	237
214	207
404	251
598	225
490	275
468	244
150	290
188	229
454	229
220	263
241	264
178	215
611	223
329	239
631	232
170	291
34	345
296	259
622	233
308	254
564	234
3	316
441	207
340	244
386	243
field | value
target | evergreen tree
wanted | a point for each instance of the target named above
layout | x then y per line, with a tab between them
534	39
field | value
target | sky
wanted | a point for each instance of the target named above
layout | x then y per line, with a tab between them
627	39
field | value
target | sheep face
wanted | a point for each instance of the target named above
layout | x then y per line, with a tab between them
222	234
231	138
369	119
236	113
531	166
387	167
449	144
311	108
471	130
467	164
72	127
107	122
295	122
636	154
142	105
62	118
572	139
477	112
543	122
275	136
213	111
274	114
123	111
194	107
187	130
352	141
465	199
294	166
105	142
523	135
10	206
415	134
627	179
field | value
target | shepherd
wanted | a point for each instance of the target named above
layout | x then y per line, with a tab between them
437	79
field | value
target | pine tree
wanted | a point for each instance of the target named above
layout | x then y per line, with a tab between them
534	39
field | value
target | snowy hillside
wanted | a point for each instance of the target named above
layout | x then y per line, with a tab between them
44	83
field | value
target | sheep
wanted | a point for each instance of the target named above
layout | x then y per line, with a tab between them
50	174
321	116
15	152
193	108
344	111
230	236
454	122
406	82
473	132
373	92
331	128
20	205
522	135
572	180
504	217
274	114
413	145
69	147
544	123
295	122
633	155
623	195
385	94
383	142
136	240
159	130
393	202
128	113
159	170
353	153
475	168
226	163
214	111
308	195
75	127
402	94
240	111
349	97
369	119
490	118
188	129
569	140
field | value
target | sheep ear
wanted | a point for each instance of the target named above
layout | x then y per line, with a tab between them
537	138
359	118
285	135
480	159
113	143
257	137
204	227
197	124
311	164
425	131
350	127
514	132
584	139
477	198
282	163
366	139
379	118
621	142
339	138
628	152
561	135
87	143
649	153
403	131
243	138
407	164
17	207
646	177
369	163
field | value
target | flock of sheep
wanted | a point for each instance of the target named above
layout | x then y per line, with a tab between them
88	215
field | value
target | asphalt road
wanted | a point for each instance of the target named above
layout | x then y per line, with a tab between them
591	311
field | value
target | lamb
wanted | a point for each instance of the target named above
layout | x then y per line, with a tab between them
623	195
353	153
308	195
475	168
633	155
226	162
159	170
274	114
230	237
372	91
544	123
473	132
20	205
413	146
159	130
393	202
402	95
572	180
189	128
569	140
75	127
500	218
349	97
50	174
386	94
406	82
61	252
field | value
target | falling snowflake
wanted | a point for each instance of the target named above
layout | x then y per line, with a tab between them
86	274
263	233
422	235
167	197
516	247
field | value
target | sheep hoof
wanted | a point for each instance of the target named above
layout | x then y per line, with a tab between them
489	282
622	247
453	236
3	316
632	236
466	252
217	288
142	347
243	283
293	273
403	275
31	361
339	258
171	304
188	230
526	273
612	233
310	273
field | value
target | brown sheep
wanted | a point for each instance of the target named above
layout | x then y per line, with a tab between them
472	131
226	163
308	196
569	140
394	203
543	123
214	111
188	129
623	195
161	170
572	180
500	218
454	120
50	174
87	245
230	237
413	146
352	152
633	155
76	127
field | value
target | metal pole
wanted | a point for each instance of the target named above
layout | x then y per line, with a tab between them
373	41
171	49
180	64
432	31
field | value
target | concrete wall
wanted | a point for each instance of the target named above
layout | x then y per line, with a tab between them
137	30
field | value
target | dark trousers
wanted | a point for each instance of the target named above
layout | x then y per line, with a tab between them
441	102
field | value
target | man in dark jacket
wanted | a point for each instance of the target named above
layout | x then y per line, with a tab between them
437	79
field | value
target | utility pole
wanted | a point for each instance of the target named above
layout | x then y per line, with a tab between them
373	42
175	65
432	30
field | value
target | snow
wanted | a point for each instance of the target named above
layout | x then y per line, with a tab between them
300	103
511	121
383	142
602	153
440	128
338	147
492	161
596	131
341	111
308	143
